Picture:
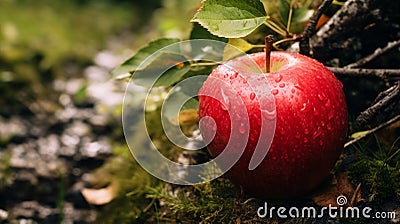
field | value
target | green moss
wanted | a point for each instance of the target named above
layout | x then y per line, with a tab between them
378	170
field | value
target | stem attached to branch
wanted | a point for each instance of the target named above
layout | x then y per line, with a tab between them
269	40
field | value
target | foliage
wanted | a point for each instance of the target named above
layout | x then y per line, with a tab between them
240	24
213	202
378	169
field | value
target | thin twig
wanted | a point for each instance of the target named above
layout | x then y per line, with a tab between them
369	132
311	27
355	194
378	52
362	72
384	100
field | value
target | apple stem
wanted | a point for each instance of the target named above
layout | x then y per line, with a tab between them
269	39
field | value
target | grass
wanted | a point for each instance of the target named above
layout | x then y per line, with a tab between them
57	30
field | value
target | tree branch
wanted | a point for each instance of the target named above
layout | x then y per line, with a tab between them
369	132
378	52
337	35
363	72
311	28
385	102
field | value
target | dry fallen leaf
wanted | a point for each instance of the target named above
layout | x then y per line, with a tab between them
188	117
100	196
340	185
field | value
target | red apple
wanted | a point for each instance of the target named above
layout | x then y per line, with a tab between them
311	122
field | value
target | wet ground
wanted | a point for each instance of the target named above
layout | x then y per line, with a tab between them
50	148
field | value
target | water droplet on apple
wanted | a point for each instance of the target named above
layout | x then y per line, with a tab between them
293	90
283	131
278	78
214	127
252	96
331	116
322	123
242	129
315	111
275	91
274	158
327	103
269	115
304	107
316	134
267	108
306	131
297	135
305	140
329	127
321	143
321	97
282	85
297	86
235	74
225	98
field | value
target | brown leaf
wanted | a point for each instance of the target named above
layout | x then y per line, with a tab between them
339	186
100	196
188	117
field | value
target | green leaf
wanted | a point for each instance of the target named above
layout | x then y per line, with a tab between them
358	134
133	63
284	8
231	18
165	69
236	47
302	15
199	32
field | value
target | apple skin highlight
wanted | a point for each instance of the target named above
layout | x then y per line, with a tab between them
311	123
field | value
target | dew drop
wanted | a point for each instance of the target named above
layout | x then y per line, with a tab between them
329	127
306	131
297	86
278	78
305	140
321	97
331	116
252	96
269	115
315	112
242	129
322	124
293	90
226	103
275	91
304	107
327	103
235	75
282	85
283	132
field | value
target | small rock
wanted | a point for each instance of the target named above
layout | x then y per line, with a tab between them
3	215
